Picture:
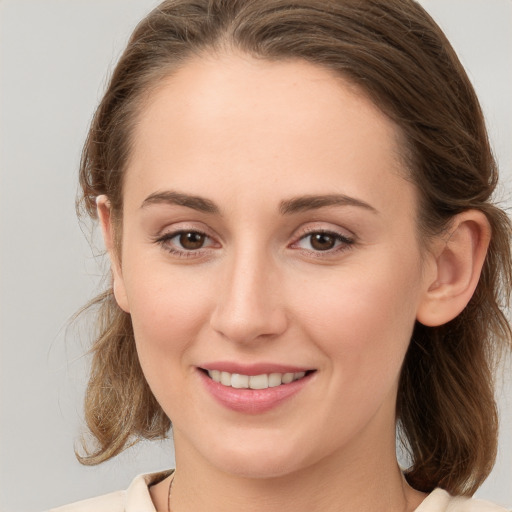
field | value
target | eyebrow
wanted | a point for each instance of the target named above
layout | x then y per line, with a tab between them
314	202
177	198
287	207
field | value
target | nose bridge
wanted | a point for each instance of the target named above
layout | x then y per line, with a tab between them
248	305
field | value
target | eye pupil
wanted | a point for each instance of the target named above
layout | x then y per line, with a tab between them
322	241
192	240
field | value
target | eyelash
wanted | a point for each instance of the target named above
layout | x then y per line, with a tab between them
344	243
164	242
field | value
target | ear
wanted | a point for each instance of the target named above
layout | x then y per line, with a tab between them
107	229
457	260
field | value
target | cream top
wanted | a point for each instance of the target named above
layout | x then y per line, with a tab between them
137	499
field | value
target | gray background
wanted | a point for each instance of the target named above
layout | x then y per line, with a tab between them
54	55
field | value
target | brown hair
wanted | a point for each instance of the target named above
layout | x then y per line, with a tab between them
396	53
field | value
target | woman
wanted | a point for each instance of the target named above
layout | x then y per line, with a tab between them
295	198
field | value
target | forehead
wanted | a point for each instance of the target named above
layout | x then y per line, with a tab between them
238	122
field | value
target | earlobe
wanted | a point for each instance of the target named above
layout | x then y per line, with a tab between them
458	257
107	230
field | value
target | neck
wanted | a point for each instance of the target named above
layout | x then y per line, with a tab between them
364	480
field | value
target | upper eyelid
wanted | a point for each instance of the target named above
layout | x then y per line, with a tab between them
169	235
338	231
341	238
184	228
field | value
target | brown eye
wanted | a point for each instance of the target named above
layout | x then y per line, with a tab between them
322	241
328	242
191	240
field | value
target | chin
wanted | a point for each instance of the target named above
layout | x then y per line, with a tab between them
259	469
258	463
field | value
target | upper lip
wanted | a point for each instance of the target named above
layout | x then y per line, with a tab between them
253	368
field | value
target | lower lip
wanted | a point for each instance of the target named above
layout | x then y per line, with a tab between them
253	401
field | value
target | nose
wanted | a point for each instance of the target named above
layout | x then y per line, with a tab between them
249	305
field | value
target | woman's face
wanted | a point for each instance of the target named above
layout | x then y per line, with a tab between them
268	231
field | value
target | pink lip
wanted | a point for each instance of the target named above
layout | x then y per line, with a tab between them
252	369
252	401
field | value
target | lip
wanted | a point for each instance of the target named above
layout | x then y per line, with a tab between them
253	401
252	369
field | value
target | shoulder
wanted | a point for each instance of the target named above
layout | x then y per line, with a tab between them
134	499
440	501
113	502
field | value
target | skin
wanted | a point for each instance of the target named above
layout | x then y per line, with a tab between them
248	135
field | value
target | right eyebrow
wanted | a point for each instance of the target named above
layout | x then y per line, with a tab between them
178	198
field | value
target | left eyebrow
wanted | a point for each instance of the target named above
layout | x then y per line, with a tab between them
313	202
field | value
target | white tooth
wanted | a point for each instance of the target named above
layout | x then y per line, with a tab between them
258	381
274	379
287	378
215	375
239	381
225	378
298	375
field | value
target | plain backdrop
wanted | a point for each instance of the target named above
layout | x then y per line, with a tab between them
54	59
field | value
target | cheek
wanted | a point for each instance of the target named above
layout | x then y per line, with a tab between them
364	317
167	312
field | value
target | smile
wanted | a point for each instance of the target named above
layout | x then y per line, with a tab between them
250	389
263	381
